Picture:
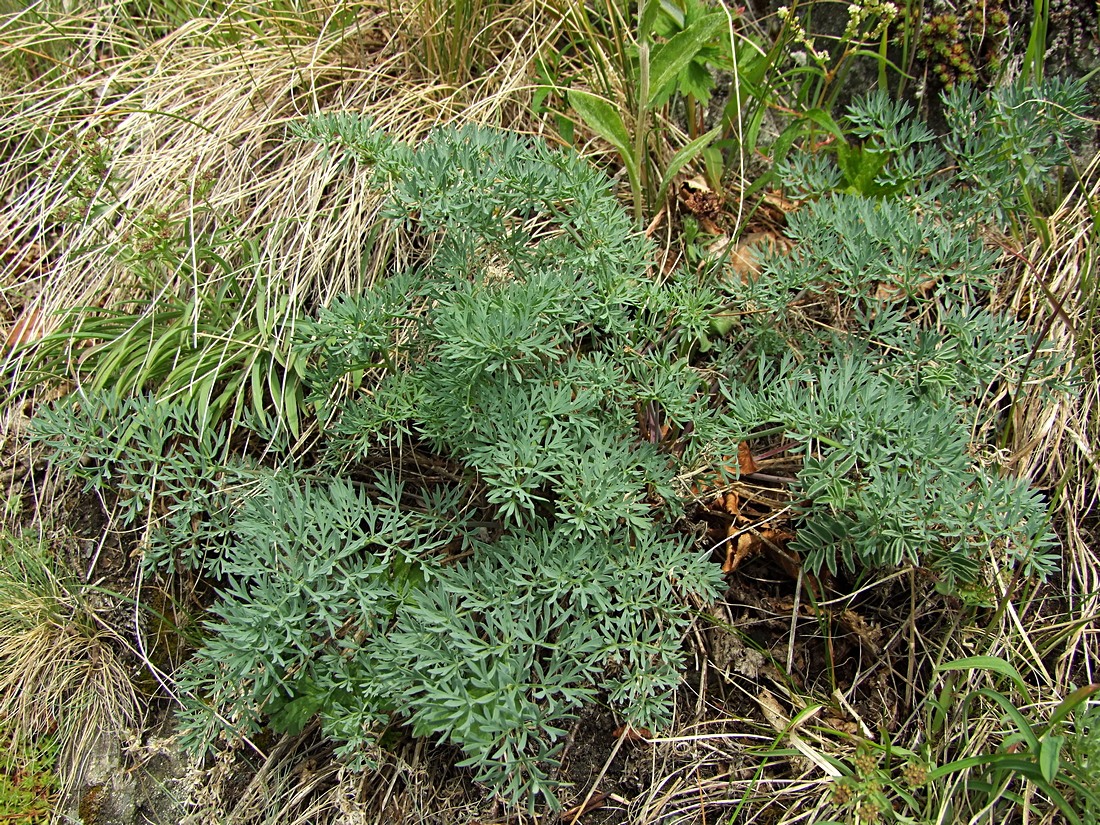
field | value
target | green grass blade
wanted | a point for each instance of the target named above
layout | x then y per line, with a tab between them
993	663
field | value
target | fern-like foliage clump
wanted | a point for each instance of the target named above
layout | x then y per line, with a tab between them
484	542
874	346
490	533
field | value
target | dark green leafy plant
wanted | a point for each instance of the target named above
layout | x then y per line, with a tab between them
28	782
1030	751
999	778
695	36
1080	758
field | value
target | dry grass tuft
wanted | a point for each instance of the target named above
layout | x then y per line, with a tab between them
1056	436
128	135
59	670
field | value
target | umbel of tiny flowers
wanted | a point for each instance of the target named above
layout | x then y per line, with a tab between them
799	36
879	15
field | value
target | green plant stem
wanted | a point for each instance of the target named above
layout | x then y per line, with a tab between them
642	119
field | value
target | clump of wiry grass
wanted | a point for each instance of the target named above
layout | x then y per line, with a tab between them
121	134
1056	438
298	782
59	670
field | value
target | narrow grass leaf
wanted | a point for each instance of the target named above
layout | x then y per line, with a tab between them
993	663
1013	712
1035	56
1027	769
1071	702
683	157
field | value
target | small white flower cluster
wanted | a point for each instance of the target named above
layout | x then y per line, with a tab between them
799	37
880	14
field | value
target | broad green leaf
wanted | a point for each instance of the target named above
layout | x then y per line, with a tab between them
713	166
294	714
1050	756
200	399
753	69
683	157
697	81
1027	769
602	118
959	765
1065	806
720	325
648	11
782	144
213	257
860	166
275	384
565	128
286	392
294	401
672	57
